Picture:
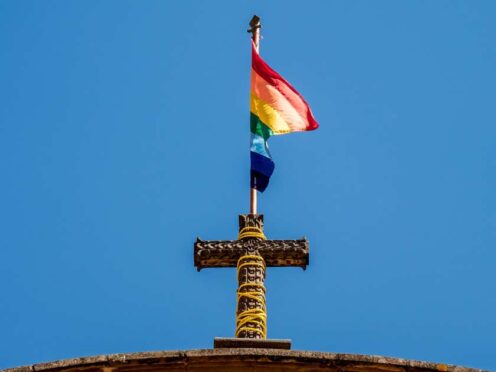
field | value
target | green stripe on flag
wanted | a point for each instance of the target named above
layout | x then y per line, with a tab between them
258	127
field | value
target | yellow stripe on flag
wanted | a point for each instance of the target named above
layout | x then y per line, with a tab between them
268	115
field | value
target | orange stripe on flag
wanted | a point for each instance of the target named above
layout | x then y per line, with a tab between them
277	82
273	97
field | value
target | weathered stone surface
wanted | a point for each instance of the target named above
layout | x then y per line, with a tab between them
254	220
240	360
229	343
225	253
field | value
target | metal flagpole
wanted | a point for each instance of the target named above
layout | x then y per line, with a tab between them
255	26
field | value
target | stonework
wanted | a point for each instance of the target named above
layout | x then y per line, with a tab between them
226	253
240	360
251	254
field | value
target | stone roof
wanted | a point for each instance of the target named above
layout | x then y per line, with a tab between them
241	360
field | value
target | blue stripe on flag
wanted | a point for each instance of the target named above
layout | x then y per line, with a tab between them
261	170
259	145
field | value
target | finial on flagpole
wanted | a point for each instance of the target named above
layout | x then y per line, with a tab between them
254	29
254	23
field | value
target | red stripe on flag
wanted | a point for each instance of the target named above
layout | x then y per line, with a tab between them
285	88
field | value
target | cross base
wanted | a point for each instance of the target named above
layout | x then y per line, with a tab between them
252	343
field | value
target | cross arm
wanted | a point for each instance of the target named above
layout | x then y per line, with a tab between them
225	253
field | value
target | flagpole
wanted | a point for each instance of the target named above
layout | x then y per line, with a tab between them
255	26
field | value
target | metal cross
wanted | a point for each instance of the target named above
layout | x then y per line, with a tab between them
251	254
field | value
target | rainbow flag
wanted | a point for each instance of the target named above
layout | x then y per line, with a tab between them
275	108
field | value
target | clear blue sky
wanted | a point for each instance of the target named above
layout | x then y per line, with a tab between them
124	135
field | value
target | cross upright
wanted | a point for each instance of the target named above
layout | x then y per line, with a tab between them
251	253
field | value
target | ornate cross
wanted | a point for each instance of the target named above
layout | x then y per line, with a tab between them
251	253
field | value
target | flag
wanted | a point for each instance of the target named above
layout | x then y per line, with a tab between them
275	108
